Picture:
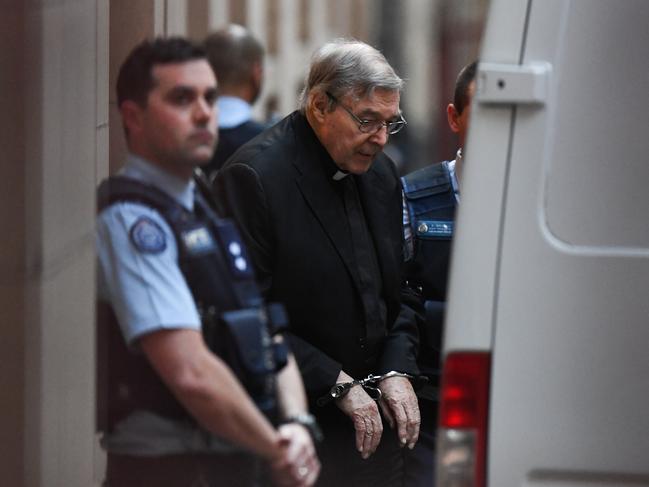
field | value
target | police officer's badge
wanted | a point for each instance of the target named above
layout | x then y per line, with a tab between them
147	236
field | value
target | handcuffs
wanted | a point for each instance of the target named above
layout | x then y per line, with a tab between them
369	384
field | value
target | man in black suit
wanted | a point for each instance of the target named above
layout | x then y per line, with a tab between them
237	59
319	206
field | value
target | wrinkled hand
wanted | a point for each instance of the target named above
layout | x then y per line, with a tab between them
297	464
364	413
399	405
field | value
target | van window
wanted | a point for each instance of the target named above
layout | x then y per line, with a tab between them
596	191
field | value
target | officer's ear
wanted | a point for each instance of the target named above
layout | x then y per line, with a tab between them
318	105
131	116
453	118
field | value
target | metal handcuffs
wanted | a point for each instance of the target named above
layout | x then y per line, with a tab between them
369	384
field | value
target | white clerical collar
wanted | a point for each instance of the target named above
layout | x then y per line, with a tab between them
340	175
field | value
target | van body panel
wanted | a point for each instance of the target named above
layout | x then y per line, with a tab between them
476	243
580	479
550	264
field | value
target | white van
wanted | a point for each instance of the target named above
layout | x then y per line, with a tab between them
546	347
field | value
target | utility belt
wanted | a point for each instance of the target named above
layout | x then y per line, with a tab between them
236	325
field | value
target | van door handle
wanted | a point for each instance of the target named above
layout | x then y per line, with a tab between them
516	84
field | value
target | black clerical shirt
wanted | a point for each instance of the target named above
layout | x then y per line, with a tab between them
365	257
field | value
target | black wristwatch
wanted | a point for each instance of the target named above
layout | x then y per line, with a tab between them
308	421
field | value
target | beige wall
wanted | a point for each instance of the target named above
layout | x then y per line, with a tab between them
54	138
129	23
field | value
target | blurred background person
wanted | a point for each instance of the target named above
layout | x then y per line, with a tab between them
237	59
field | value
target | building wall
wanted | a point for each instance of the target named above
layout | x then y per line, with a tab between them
12	256
53	135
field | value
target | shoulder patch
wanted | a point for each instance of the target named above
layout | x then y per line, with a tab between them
148	236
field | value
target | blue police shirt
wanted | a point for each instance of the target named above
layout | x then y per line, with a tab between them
138	275
138	271
233	111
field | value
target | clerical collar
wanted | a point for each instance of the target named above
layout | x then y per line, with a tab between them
339	175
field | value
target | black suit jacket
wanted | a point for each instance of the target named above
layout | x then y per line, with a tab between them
279	189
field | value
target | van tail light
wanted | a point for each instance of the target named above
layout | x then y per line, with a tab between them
462	431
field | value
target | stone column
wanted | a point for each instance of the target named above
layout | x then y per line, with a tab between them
50	137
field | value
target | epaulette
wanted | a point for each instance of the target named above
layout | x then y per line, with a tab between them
428	180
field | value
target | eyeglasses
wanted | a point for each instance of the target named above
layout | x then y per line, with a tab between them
372	126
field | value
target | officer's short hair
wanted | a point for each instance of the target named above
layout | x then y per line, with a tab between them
135	78
348	66
464	79
232	52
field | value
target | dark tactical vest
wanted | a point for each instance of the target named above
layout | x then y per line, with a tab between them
236	325
431	203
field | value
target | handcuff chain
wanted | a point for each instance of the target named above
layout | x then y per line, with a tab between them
369	384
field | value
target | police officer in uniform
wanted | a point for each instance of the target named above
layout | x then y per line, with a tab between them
195	384
431	196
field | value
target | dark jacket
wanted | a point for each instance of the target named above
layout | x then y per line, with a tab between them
279	189
230	139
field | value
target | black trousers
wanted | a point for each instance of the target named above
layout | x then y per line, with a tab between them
342	465
196	470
